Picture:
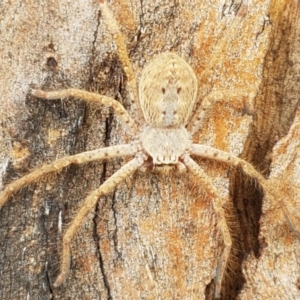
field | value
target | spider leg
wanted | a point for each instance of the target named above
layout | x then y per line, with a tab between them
103	153
123	56
88	205
202	111
118	108
232	160
222	224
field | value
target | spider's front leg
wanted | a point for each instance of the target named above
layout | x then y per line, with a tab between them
232	160
124	58
118	108
218	208
88	205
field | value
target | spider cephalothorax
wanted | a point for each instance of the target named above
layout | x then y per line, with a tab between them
167	96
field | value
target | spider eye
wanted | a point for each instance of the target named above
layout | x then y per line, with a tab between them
163	90
178	90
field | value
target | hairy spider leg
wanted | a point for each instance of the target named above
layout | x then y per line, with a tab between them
124	58
232	160
88	205
118	108
222	224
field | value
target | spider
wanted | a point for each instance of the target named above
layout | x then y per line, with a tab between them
167	96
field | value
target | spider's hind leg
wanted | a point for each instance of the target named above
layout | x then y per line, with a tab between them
232	160
87	206
222	224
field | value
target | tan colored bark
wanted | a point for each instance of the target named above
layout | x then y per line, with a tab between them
155	237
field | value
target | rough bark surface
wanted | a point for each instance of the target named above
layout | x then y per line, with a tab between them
155	237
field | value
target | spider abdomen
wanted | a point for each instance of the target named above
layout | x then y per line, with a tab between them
167	91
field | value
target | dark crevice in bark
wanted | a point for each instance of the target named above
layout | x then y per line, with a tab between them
108	128
98	246
94	46
48	281
269	125
105	279
97	238
115	216
209	290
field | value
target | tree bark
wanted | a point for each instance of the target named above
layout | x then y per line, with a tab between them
155	237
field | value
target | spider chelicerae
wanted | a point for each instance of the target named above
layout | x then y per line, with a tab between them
167	96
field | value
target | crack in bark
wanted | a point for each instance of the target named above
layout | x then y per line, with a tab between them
115	234
97	238
108	128
98	248
48	281
93	51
